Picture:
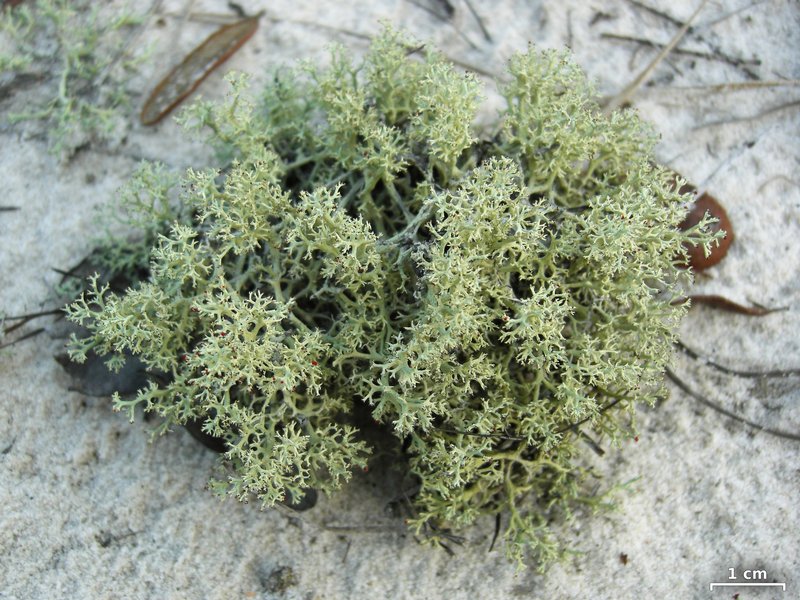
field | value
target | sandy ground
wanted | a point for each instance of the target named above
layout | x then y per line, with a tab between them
91	510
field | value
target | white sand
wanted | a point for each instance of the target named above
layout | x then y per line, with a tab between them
91	510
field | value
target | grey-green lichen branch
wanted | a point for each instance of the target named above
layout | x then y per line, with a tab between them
77	52
363	247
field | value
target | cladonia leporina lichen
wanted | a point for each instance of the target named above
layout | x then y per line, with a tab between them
490	301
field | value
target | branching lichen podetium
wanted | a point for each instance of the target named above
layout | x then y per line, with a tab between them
484	298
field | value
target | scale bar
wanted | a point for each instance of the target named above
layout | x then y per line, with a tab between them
780	585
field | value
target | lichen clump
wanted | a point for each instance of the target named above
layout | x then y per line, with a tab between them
75	54
485	298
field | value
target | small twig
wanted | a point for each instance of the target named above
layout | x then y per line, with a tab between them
349	32
347	550
30	334
624	96
19	82
8	208
784	178
430	10
66	274
723	303
695	30
479	20
448	8
456	539
720	409
201	17
497	519
219	19
729	371
501	436
608	406
445	19
479	70
598	16
24	319
569	29
405	495
732	13
727	87
238	9
735	62
360	528
30	316
660	14
769	111
590	442
8	448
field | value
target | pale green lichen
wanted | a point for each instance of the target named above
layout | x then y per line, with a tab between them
485	299
77	52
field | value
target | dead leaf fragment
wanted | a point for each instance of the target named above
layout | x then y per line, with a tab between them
198	64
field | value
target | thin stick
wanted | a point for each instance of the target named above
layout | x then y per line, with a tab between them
695	30
502	436
769	111
729	371
591	443
726	304
736	86
30	334
658	13
608	406
66	274
350	32
202	17
30	316
479	20
428	10
447	20
716	56
624	96
361	528
24	319
783	178
714	406
211	18
497	519
732	13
